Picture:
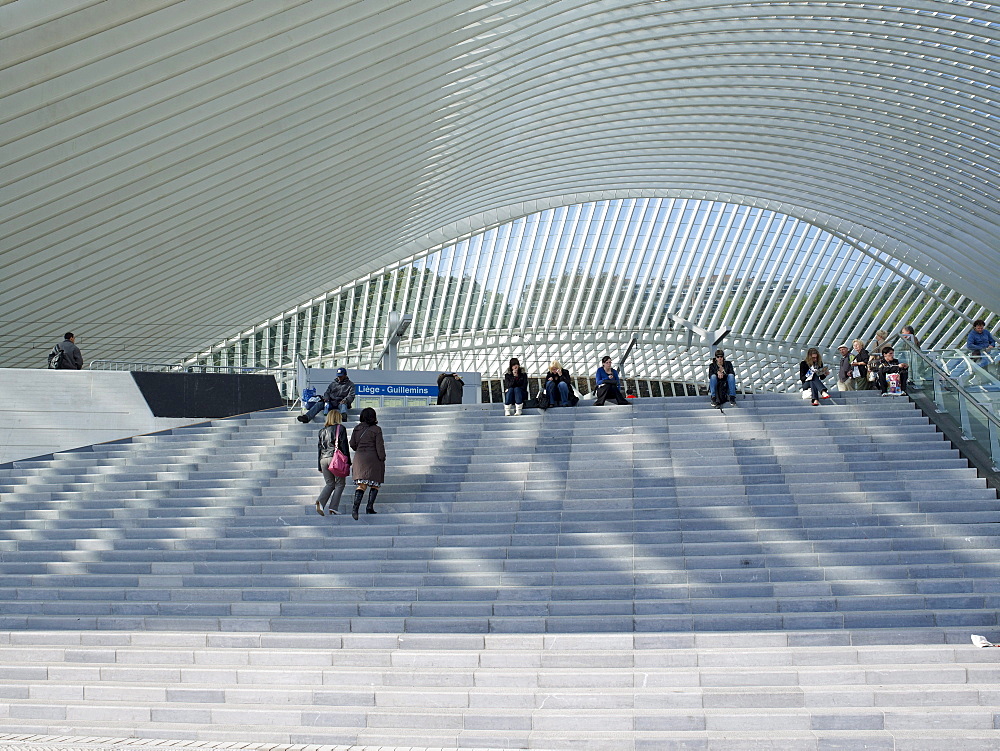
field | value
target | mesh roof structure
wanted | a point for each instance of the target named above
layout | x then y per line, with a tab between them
578	282
173	172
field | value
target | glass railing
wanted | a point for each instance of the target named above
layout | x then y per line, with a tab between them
963	385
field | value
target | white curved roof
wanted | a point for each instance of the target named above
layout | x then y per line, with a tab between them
171	172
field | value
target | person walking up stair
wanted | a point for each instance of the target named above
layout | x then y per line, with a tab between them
368	467
333	436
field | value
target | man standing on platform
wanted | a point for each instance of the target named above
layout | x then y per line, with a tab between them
338	395
66	355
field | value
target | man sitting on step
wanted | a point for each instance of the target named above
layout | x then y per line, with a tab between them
338	395
721	379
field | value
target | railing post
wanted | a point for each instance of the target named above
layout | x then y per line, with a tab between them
938	392
994	444
963	411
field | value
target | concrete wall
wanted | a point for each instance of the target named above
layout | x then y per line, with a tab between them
42	411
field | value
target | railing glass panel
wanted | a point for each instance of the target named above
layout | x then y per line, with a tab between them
963	385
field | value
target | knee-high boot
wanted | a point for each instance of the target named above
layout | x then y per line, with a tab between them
372	492
358	495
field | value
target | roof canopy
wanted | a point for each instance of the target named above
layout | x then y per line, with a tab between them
173	172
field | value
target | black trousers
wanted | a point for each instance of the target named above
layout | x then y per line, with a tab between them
608	390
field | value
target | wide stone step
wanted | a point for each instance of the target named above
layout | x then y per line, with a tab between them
627	578
637	689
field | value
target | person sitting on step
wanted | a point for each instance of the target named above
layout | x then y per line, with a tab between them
892	374
812	371
338	395
979	341
559	386
515	388
721	379
609	385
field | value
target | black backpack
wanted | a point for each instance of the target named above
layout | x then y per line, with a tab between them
55	357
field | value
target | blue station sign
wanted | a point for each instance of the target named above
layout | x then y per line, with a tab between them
383	389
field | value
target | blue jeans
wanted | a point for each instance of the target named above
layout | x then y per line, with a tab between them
713	386
984	359
552	389
317	406
817	387
514	395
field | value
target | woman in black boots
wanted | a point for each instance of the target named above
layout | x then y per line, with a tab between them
368	465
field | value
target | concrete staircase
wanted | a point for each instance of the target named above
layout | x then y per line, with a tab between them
620	577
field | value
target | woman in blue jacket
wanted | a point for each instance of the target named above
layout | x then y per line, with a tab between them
609	385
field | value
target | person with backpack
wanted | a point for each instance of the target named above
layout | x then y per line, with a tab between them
332	438
66	355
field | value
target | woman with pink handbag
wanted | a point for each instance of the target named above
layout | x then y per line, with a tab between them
334	463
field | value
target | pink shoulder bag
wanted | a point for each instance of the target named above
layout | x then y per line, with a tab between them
339	466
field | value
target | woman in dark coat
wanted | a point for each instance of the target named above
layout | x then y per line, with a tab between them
559	386
331	437
812	371
368	467
515	388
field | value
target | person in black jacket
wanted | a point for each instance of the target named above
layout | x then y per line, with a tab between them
559	386
812	371
66	355
844	380
338	395
331	437
450	386
721	379
515	388
889	368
